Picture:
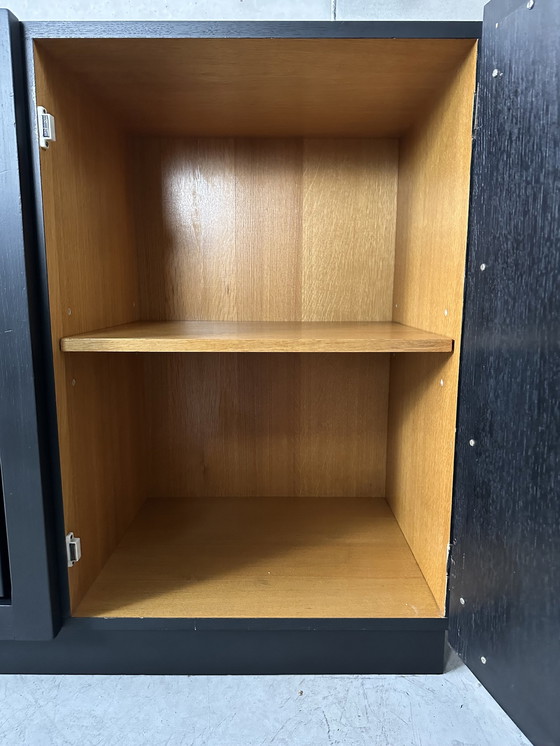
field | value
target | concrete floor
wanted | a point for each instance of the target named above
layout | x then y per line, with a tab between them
448	710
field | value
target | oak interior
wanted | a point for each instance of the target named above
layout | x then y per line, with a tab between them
258	336
294	209
264	87
348	559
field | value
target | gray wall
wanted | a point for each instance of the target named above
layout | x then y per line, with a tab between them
281	10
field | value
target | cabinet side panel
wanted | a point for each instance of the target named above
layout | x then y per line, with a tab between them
432	213
92	282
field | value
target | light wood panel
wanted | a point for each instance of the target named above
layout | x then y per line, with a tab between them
257	336
92	283
428	292
268	215
274	425
265	230
264	87
348	240
273	557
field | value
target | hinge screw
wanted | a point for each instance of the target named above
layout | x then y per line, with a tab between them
495	72
472	442
530	4
482	267
462	601
482	659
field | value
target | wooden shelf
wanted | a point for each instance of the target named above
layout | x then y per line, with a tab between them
230	336
261	558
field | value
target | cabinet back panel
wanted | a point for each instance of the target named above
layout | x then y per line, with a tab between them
92	282
264	87
260	425
265	230
434	176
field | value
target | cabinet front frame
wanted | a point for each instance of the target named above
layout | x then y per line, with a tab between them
187	645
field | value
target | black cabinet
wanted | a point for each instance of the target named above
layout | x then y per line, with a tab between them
237	331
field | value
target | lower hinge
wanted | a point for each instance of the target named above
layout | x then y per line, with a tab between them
73	549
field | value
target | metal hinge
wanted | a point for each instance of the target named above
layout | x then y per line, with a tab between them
73	549
46	127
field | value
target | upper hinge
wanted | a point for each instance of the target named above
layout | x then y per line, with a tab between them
46	127
73	549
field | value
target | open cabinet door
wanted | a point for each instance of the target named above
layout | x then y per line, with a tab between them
505	558
28	610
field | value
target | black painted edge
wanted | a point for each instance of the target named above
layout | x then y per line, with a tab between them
254	29
258	625
4	558
34	612
78	650
55	505
50	560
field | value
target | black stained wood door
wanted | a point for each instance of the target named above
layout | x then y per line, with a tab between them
28	610
505	558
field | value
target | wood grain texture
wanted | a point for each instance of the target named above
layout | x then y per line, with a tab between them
268	87
432	212
505	557
349	216
275	229
257	336
92	282
265	230
274	425
262	558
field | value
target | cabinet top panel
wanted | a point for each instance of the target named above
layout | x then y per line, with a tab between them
256	87
252	29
